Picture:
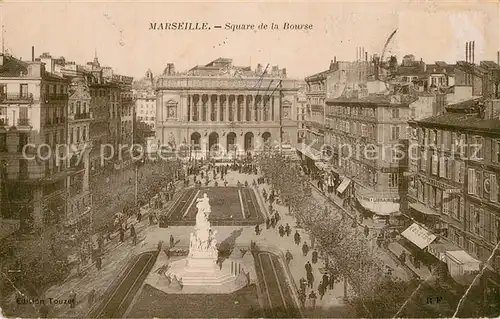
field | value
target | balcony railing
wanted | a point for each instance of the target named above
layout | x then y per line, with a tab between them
23	122
16	97
4	122
58	96
127	98
80	116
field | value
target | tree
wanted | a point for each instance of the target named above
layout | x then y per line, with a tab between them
376	294
141	132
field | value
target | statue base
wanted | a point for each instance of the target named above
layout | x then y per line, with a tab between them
201	275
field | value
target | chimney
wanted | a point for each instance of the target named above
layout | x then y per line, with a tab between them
32	53
366	56
473	42
466	51
498	57
334	59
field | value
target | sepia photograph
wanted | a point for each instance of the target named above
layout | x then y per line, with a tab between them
264	159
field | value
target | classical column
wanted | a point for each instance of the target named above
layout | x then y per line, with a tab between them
276	109
198	107
226	108
246	107
261	110
257	109
218	107
210	108
191	105
238	108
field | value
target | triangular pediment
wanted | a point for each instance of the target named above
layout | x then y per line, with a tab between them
80	92
171	103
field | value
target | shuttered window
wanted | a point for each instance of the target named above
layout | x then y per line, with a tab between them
446	198
493	188
434	164
471	177
442	166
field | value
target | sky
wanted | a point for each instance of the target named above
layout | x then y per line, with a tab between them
119	32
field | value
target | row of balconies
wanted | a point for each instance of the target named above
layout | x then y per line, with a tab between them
20	122
16	97
55	120
80	116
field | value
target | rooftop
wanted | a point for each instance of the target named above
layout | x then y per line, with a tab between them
12	67
464	115
376	99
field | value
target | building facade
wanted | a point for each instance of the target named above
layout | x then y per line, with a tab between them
238	109
33	111
454	190
79	202
145	106
369	141
339	78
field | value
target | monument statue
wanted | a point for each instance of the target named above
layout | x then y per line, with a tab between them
200	272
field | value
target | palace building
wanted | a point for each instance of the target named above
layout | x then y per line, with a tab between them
221	107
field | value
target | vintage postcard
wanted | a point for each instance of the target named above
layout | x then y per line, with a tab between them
265	159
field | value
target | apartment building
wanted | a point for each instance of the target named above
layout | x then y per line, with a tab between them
454	189
368	136
33	112
79	203
341	76
145	106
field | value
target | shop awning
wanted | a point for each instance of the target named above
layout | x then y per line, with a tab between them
379	207
342	187
423	209
466	262
418	235
311	150
462	266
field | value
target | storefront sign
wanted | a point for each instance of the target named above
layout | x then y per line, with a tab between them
419	236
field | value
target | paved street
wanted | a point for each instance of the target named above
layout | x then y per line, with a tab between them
119	254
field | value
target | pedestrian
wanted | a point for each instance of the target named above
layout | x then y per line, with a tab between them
277	216
133	234
257	230
308	267
321	290
273	222
313	297
72	298
333	277
268	223
91	298
98	263
288	257
139	216
281	230
297	237
314	257
303	284
305	248
326	280
151	219
287	230
172	241
402	257
122	234
302	298
310	280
